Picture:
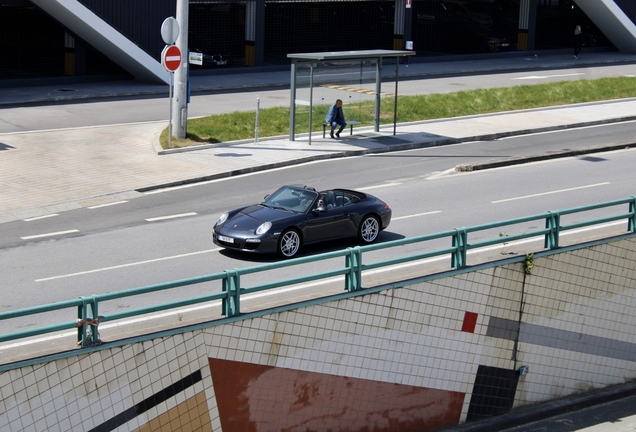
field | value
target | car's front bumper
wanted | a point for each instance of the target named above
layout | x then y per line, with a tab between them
232	241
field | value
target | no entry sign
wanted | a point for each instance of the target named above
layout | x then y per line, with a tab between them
171	58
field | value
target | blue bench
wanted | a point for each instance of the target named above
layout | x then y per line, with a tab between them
350	123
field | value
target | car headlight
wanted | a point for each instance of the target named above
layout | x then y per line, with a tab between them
223	218
265	226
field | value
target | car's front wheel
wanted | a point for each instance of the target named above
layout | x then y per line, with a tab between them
288	243
369	229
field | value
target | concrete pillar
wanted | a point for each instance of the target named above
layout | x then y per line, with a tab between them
254	32
527	24
69	55
398	25
612	21
250	33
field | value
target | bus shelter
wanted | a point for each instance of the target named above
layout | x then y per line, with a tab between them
355	77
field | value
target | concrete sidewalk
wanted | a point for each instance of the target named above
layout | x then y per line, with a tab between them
50	171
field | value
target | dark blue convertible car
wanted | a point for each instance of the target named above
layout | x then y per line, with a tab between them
294	216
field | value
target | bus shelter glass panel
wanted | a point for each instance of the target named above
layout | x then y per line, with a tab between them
303	97
389	101
320	84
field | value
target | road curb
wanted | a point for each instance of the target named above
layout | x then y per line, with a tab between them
401	147
478	166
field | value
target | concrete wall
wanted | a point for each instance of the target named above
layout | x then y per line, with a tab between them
432	353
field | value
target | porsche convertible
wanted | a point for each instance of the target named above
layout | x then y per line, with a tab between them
294	216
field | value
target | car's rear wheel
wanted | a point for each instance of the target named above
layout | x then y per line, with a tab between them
289	243
369	229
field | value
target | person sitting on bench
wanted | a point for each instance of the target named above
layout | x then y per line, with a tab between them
335	116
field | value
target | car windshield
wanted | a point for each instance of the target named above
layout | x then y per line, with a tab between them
292	199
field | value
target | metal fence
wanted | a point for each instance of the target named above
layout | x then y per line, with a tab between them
88	318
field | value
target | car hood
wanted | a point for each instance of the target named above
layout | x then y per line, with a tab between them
252	217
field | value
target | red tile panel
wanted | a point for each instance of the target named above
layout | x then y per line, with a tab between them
470	321
255	398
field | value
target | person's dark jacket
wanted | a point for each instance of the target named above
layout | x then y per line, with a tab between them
333	114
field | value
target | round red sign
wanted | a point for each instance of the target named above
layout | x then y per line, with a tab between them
171	58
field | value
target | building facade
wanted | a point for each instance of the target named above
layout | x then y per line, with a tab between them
252	33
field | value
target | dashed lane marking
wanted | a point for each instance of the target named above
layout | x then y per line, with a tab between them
41	217
155	219
106	205
49	234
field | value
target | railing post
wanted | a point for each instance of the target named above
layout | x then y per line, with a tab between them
631	222
552	223
460	243
231	286
87	315
353	261
95	319
81	318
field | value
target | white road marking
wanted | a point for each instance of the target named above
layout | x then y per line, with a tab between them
170	217
550	193
106	205
379	186
416	215
531	77
441	174
293	288
81	127
127	265
41	217
49	234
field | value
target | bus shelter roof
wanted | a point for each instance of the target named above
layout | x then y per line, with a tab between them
349	55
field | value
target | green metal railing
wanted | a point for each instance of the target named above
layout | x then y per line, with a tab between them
88	318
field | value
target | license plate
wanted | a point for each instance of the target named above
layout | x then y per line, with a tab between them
505	44
226	239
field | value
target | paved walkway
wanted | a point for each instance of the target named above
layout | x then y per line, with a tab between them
50	171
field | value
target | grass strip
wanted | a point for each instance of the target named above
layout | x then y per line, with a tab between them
240	125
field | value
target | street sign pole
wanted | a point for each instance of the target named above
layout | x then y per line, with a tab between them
170	124
171	60
169	34
180	107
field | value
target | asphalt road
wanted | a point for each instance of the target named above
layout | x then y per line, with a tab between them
124	246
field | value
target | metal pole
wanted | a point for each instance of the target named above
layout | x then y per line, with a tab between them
378	90
311	97
180	108
170	124
292	102
258	105
397	68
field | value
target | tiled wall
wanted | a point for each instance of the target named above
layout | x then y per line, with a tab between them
433	353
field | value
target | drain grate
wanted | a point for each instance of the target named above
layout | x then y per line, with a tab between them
65	90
